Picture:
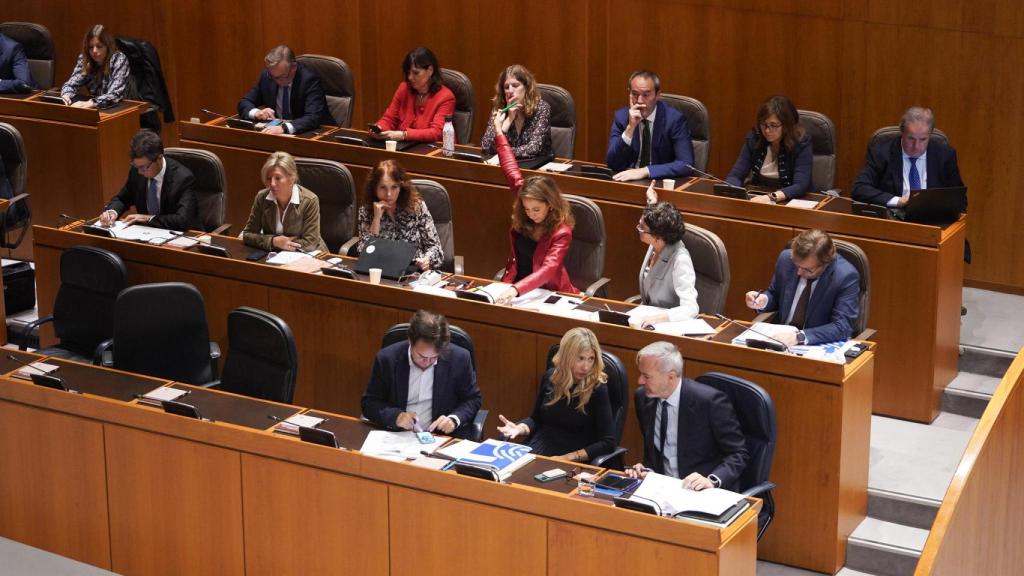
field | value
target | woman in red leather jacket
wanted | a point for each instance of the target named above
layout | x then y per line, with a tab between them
541	229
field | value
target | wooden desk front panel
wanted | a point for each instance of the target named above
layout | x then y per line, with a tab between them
53	491
175	505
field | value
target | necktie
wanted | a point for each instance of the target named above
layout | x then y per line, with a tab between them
915	177
800	313
152	202
286	104
645	144
663	431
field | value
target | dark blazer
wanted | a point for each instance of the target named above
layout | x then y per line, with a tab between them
709	437
455	389
797	164
178	205
671	146
560	428
881	178
13	65
308	104
834	304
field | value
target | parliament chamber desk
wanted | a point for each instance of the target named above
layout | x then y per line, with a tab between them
77	159
916	270
102	479
823	409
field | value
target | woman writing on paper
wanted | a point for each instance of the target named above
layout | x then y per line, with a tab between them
776	153
527	118
284	215
572	417
667	279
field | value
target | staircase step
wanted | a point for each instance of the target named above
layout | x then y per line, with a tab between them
917	460
884	548
902	509
968	394
985	361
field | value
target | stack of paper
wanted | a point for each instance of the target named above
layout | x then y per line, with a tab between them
26	372
285	257
396	445
833	352
766	330
141	233
164	393
673	499
292	423
555	167
501	458
691	327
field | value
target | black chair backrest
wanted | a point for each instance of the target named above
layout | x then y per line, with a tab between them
400	332
823	148
461	86
12	150
855	256
440	206
39	51
563	119
262	359
211	183
756	414
332	183
618	387
160	330
83	312
711	267
338	84
699	123
886	133
585	260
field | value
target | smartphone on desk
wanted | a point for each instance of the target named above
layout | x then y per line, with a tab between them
373	128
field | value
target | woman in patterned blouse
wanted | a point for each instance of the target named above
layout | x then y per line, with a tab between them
101	68
527	124
393	209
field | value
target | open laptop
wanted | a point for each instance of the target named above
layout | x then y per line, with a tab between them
935	205
391	256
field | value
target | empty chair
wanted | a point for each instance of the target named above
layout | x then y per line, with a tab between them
39	51
332	183
461	86
146	81
18	216
698	122
756	414
262	360
338	85
83	311
160	330
211	186
563	119
855	256
585	260
823	148
436	198
711	266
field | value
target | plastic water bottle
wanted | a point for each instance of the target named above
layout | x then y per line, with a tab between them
448	137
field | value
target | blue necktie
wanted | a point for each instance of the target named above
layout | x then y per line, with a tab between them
286	105
152	202
915	177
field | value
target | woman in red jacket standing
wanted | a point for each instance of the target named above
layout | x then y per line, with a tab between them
541	229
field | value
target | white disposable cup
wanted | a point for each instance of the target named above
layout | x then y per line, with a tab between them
668	184
375	275
391	145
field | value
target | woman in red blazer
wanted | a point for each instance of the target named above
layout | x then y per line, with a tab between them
420	103
541	229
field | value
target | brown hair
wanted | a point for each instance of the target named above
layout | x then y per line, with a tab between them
816	242
575	342
430	327
543	189
408	196
532	96
100	32
782	108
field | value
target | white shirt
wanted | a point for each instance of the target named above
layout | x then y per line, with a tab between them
294	201
922	171
421	392
671	462
640	126
800	287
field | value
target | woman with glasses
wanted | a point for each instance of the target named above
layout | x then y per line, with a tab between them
420	104
572	417
667	279
102	69
776	154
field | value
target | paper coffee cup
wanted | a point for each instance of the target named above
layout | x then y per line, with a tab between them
668	184
375	275
391	145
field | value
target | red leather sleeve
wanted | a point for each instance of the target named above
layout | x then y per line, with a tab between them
550	268
509	166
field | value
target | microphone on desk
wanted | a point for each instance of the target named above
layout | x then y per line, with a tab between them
42	378
774	344
707	175
212	113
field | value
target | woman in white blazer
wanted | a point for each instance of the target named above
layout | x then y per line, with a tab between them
667	279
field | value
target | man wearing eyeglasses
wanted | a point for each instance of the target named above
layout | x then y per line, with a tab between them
287	97
649	139
423	383
160	189
814	289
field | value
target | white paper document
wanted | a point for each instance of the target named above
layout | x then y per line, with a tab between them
285	257
396	445
691	327
434	290
163	393
800	203
141	233
555	167
833	352
26	372
670	495
493	160
292	423
766	329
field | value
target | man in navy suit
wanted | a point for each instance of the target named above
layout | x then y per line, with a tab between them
649	139
288	91
423	383
814	289
14	73
690	430
161	189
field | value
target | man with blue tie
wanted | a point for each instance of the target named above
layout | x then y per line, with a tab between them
286	91
649	138
160	189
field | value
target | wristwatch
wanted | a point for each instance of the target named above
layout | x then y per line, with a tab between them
715	480
801	338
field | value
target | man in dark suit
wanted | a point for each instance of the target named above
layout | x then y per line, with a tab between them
690	430
814	289
14	72
160	189
288	91
649	139
424	383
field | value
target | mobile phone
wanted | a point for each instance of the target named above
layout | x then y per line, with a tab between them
257	256
425	437
553	299
373	128
549	475
855	350
274	122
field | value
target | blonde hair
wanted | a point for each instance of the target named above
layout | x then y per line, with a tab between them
575	342
283	161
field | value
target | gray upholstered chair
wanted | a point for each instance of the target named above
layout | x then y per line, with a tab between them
211	186
440	206
39	51
889	132
856	257
461	86
699	123
332	183
563	119
338	84
585	260
18	217
823	147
